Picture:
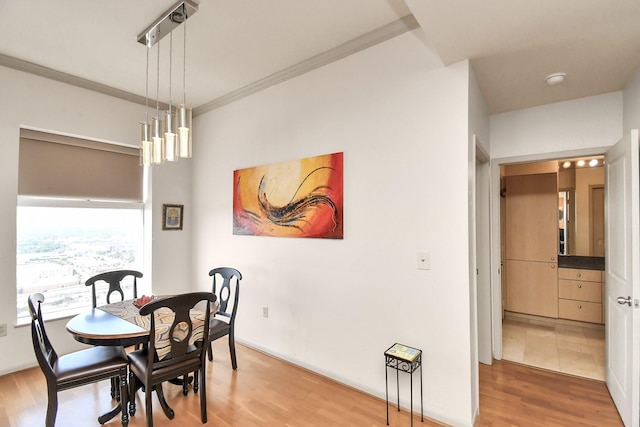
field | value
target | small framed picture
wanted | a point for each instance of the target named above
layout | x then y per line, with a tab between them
172	217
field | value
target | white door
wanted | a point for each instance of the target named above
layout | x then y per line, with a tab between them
622	276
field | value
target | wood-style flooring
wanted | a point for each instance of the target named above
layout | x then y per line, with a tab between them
266	391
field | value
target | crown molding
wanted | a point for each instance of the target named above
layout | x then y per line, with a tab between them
358	44
379	35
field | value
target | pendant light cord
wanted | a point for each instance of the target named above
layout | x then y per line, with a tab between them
184	64
146	93
170	64
158	84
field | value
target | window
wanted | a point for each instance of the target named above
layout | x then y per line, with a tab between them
59	248
79	213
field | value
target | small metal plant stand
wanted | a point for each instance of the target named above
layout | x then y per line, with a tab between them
406	359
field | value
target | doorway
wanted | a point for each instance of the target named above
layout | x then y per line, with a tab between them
551	340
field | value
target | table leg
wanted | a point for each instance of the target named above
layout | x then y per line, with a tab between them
163	402
398	387
123	397
102	419
411	396
386	389
421	398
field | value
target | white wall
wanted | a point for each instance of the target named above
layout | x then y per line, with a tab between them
336	305
590	122
631	96
40	103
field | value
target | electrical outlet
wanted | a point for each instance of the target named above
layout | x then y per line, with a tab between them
265	311
3	330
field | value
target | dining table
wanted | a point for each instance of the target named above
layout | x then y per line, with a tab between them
120	324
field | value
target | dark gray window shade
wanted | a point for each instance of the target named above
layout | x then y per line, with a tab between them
60	166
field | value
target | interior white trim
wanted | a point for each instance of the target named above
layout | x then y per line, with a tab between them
496	261
386	32
49	73
362	42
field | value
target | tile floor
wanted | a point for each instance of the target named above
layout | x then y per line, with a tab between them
562	348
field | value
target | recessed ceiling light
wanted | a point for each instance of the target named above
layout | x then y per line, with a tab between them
580	163
555	78
566	164
593	162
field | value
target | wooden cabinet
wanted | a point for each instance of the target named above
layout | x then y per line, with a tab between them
532	217
532	288
531	244
580	294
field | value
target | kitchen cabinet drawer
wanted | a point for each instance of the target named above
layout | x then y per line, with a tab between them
579	274
580	290
580	310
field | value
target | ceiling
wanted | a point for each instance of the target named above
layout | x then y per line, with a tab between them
237	47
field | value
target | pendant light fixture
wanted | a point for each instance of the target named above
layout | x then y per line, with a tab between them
165	143
171	143
183	111
157	128
145	127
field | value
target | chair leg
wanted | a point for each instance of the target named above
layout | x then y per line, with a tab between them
203	394
133	387
210	352
232	350
196	382
147	405
52	407
185	384
124	397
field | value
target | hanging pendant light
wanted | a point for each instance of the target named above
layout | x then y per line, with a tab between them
145	127
166	143
171	143
157	128
183	112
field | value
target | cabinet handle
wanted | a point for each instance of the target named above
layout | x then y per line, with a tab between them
579	286
553	266
579	306
579	274
553	258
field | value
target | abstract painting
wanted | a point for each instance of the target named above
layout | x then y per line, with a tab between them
300	198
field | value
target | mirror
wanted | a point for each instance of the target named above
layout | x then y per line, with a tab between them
581	206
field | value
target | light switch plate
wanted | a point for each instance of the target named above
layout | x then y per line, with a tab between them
424	262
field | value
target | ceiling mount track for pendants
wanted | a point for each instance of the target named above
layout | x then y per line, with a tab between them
167	22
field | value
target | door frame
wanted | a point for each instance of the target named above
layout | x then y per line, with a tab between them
496	261
482	232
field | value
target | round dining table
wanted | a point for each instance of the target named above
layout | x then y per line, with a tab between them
98	327
119	324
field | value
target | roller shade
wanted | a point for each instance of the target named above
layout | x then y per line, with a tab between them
52	165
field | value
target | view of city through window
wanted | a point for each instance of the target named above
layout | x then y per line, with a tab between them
59	248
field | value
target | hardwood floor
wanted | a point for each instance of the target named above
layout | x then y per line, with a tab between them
266	391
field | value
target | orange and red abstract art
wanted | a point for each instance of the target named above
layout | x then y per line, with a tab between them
301	198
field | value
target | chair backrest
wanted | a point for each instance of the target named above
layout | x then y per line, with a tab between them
226	285
45	352
180	333
114	279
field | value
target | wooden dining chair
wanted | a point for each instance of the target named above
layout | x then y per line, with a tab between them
185	355
226	286
75	369
114	279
